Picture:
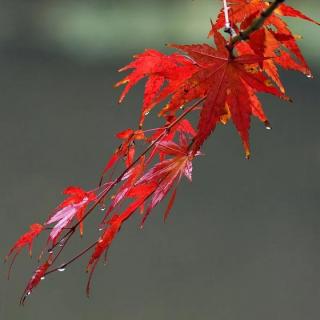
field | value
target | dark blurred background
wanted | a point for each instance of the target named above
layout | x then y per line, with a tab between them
243	241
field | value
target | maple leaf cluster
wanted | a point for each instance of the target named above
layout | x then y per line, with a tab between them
211	83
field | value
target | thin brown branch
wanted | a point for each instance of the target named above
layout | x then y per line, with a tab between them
256	24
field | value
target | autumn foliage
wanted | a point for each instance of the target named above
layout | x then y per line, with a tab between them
212	83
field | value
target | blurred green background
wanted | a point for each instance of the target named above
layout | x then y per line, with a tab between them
242	241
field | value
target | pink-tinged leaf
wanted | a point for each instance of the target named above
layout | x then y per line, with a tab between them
170	148
73	206
188	170
166	173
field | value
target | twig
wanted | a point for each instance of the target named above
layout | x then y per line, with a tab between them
256	24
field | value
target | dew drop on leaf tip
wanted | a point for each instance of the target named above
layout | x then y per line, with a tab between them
267	125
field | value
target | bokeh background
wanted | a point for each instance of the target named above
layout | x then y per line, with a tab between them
243	241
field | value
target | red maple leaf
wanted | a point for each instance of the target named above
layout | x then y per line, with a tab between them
239	10
103	244
165	174
129	180
26	240
35	279
228	84
155	184
222	81
242	14
164	72
182	127
125	151
73	206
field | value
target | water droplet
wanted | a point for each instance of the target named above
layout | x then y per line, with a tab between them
62	268
100	229
42	278
147	113
28	293
309	75
103	207
267	125
50	251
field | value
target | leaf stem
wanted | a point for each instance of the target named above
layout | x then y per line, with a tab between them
227	28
